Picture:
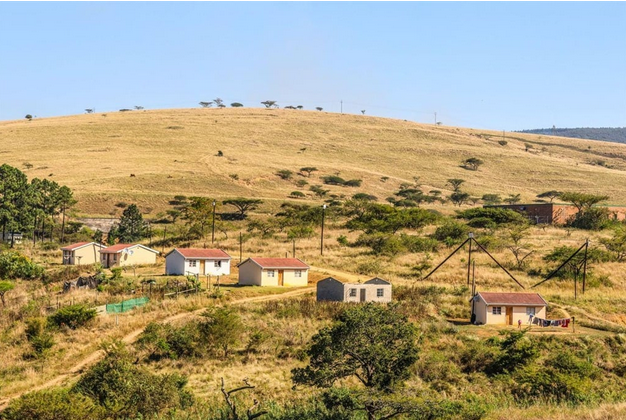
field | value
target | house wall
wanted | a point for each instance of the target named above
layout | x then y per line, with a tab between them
175	264
371	292
140	256
480	309
211	270
484	314
331	290
250	274
290	279
87	255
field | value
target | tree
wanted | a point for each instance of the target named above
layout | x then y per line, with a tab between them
319	108
459	198
138	107
309	170
198	213
550	194
299	107
29	117
583	201
89	110
492	199
131	226
206	104
616	245
66	200
516	235
270	104
472	163
285	174
221	329
219	102
372	343
244	205
5	286
236	105
513	199
455	183
363	111
318	190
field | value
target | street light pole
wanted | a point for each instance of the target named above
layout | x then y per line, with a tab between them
322	236
213	230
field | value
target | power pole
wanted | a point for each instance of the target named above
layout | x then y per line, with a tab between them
435	118
213	230
322	236
342	106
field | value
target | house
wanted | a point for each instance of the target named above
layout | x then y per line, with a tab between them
374	290
16	237
127	254
507	308
556	213
273	272
82	253
183	261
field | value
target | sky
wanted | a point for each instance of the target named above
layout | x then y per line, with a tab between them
501	66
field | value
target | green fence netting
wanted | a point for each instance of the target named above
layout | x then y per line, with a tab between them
126	305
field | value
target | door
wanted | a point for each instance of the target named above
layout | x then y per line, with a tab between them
362	297
281	276
202	272
509	315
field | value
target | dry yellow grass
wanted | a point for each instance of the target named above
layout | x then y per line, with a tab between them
174	152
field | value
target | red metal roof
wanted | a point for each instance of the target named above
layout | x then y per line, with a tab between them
202	253
77	245
280	263
520	299
114	249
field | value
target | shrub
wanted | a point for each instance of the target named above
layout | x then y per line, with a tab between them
221	329
353	183
503	142
451	232
301	183
52	404
40	339
285	174
164	341
497	215
591	219
482	223
300	231
14	265
297	194
414	243
333	180
73	316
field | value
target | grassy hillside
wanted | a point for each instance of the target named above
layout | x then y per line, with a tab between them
175	152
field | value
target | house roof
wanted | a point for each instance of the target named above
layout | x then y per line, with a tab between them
79	245
116	249
377	280
277	263
200	253
520	299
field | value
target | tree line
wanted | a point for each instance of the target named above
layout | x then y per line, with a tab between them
30	207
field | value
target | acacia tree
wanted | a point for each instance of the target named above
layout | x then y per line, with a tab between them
455	183
270	104
309	170
550	194
198	213
583	201
243	205
472	163
516	245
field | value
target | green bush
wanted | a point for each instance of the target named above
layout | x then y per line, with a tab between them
52	404
353	183
164	341
498	215
451	232
14	265
39	337
297	194
482	223
594	218
73	316
414	243
333	180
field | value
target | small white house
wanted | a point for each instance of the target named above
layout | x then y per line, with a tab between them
82	253
211	262
127	255
273	272
507	308
374	290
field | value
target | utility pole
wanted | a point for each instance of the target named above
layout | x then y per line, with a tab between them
294	249
240	245
213	230
469	258
342	106
435	118
322	236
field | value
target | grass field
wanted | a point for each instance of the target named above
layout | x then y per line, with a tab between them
175	152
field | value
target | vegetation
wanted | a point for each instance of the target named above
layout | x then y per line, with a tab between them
73	316
617	134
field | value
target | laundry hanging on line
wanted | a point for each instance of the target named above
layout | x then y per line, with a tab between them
564	322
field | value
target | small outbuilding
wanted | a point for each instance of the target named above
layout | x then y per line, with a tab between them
374	290
507	308
273	272
211	262
82	253
121	255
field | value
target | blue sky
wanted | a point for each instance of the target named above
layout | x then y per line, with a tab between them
501	66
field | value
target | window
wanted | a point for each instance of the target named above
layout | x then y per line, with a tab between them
297	273
270	273
496	310
352	292
380	292
530	311
217	264
192	263
114	257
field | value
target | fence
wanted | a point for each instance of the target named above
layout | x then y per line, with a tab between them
126	305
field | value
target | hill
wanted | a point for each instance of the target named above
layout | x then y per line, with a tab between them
616	135
149	156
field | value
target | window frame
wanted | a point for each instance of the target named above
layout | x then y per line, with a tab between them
193	263
380	292
496	310
352	292
271	273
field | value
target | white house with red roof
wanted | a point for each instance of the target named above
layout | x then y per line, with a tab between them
205	262
507	308
82	253
291	272
121	255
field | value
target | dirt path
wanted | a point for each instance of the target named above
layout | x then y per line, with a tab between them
132	336
341	275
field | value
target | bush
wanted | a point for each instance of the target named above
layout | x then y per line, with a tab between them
297	194
52	404
333	180
591	219
285	174
451	232
482	223
221	329
164	341
418	244
37	335
503	142
353	183
14	265
73	316
498	215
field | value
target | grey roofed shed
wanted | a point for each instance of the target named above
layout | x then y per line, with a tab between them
374	290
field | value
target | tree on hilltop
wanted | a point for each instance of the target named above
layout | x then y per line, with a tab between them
244	205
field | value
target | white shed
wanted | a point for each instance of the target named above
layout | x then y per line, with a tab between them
211	262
